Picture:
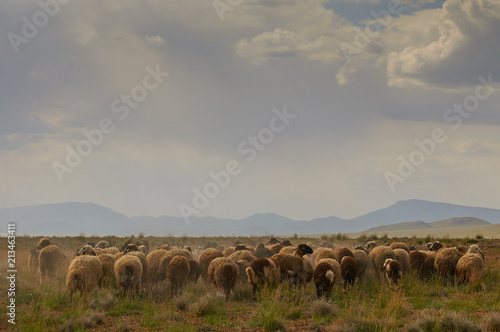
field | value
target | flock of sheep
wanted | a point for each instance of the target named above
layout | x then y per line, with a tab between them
133	265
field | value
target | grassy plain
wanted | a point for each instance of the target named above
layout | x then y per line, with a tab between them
370	306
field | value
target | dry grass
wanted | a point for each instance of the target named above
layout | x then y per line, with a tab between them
370	305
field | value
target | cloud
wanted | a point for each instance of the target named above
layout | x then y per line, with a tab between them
464	47
155	40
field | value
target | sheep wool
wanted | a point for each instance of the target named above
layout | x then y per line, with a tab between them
84	274
50	260
223	273
177	273
128	273
470	268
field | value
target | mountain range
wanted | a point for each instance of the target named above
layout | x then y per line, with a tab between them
73	218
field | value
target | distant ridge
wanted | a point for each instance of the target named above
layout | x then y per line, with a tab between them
413	226
73	218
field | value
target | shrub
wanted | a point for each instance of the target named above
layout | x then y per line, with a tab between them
492	323
209	305
457	322
479	236
322	308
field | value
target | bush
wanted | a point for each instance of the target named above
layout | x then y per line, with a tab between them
479	236
457	322
322	308
209	305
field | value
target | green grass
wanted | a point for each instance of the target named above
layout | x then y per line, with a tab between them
371	305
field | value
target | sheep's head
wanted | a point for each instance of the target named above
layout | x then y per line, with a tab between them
44	242
102	244
360	247
260	246
387	262
474	249
188	249
124	246
86	250
436	246
240	247
370	245
287	243
304	249
273	240
130	247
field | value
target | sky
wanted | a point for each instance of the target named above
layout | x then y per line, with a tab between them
228	108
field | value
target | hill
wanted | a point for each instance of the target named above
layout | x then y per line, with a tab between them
73	218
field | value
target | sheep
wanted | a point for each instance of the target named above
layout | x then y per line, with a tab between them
342	252
287	250
128	273
84	275
228	251
446	261
361	258
177	273
295	263
273	241
336	269
475	250
86	250
206	258
142	248
165	260
242	266
44	242
102	245
393	271
261	271
194	270
51	259
470	267
111	250
263	252
242	255
277	247
223	273
400	245
370	245
132	249
107	263
402	258
154	259
323	253
324	279
349	271
416	262
33	261
377	257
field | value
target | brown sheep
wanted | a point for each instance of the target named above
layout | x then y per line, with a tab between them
295	263
51	260
44	242
228	251
343	252
324	279
144	262
287	250
102	245
33	261
242	255
470	267
128	273
370	245
446	261
349	271
177	273
84	275
402	258
378	256
263	252
321	253
242	266
400	245
416	262
154	259
393	271
108	274
361	258
261	271
194	270
206	258
336	269
167	257
223	273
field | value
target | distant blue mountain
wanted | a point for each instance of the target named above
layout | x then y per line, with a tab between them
73	218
